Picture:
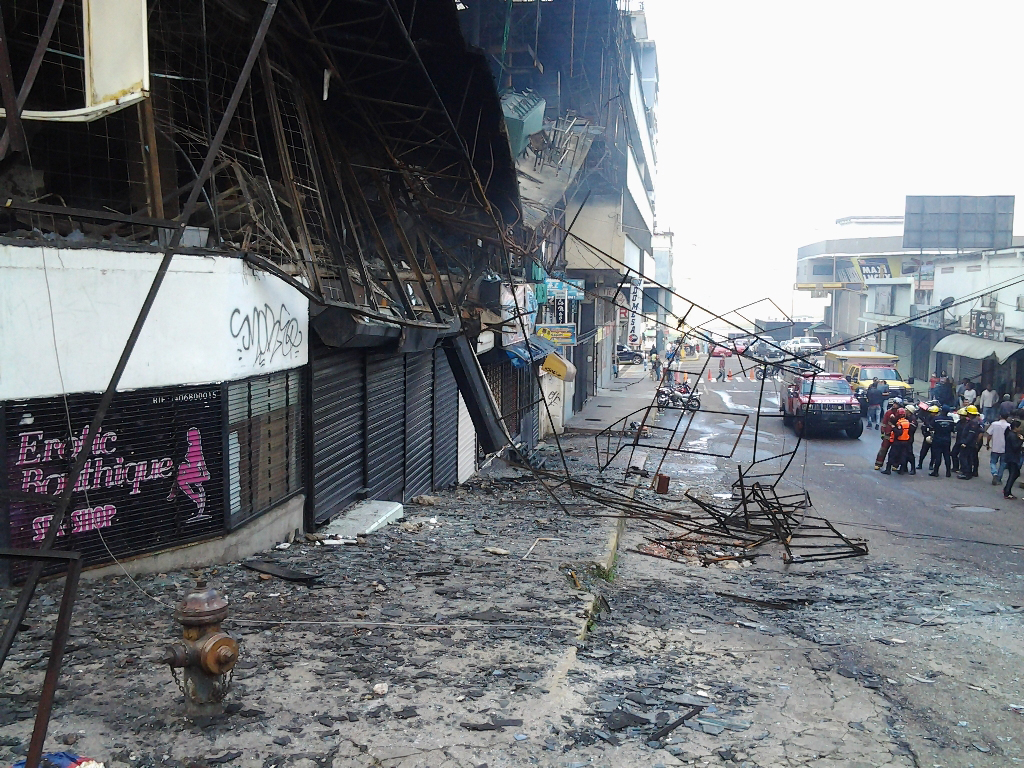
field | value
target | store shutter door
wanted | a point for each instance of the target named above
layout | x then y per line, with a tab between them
385	428
419	423
969	369
903	347
339	431
467	443
446	423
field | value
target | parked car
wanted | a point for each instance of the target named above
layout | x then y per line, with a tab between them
719	351
628	356
820	402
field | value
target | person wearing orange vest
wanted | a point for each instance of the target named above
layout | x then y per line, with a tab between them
888	419
900	448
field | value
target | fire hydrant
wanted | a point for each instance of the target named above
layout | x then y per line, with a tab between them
206	654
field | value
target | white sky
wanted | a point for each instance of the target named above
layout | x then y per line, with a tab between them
777	118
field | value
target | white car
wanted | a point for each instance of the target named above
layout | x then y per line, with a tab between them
804	345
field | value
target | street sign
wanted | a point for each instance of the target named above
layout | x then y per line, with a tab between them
561	335
561	303
636	318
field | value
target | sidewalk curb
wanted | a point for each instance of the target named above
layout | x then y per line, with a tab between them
604	566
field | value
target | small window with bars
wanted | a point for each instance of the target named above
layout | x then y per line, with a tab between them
264	444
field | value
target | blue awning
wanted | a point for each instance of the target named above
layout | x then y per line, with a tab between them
522	356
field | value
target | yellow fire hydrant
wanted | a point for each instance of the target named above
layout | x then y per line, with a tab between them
206	654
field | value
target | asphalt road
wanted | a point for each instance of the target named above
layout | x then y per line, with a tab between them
905	518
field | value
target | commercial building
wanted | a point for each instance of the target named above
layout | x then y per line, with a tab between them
327	218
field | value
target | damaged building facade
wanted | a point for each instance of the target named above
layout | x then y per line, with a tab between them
309	231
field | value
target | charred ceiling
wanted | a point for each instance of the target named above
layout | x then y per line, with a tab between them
367	160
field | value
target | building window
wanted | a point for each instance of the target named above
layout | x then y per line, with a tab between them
947	270
821	269
974	268
264	444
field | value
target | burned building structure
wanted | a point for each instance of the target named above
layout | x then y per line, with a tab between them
585	71
293	253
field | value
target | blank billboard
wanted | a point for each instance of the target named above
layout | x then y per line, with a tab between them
964	223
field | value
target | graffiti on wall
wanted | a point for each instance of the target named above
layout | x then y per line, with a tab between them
264	335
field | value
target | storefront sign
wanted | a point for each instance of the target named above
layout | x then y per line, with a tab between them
518	309
561	305
562	335
155	478
572	288
636	318
988	325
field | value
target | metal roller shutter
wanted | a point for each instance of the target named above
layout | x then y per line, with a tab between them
446	423
419	423
903	348
339	431
969	369
156	479
385	428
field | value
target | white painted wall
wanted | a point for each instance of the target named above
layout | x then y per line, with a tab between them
214	319
467	443
553	390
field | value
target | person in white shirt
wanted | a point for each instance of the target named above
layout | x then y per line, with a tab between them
996	433
987	402
969	395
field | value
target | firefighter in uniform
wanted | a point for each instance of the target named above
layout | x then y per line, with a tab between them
927	434
958	431
900	447
943	427
888	419
970	439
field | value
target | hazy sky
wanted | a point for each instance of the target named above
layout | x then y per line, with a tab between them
777	118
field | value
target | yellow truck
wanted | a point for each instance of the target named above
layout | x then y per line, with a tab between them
861	368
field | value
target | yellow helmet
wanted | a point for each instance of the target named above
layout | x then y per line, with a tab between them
933	409
962	412
971	410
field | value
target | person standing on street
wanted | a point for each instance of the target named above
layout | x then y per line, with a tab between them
987	403
927	434
900	445
888	420
996	436
969	394
1006	407
875	397
721	369
1012	457
944	392
942	434
970	442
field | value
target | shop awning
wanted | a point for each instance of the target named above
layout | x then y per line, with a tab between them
522	355
978	348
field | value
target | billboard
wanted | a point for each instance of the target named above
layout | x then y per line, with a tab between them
932	221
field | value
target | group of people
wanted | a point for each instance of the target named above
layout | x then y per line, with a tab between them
953	436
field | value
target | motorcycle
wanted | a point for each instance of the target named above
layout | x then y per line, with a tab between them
683	397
